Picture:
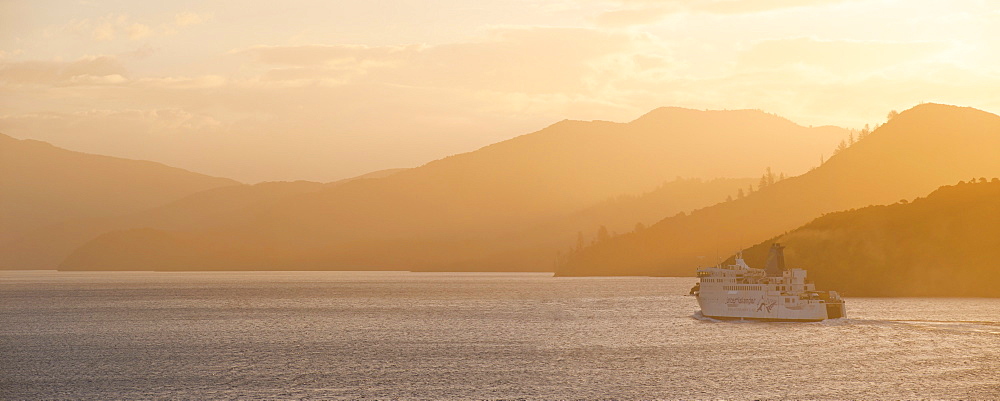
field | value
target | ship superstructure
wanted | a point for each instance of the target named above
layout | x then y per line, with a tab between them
738	291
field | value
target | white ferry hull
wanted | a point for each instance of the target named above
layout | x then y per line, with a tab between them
750	306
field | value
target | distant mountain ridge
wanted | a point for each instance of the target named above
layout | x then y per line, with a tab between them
444	214
946	244
214	209
917	151
41	185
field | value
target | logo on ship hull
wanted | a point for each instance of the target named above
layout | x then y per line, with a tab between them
766	304
734	302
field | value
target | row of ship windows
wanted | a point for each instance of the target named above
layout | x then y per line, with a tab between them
750	287
743	287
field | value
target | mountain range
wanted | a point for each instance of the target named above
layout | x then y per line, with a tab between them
578	198
42	185
487	205
215	209
914	153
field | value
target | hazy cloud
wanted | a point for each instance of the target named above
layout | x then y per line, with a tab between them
87	69
645	12
513	60
190	18
138	31
313	55
840	58
140	53
753	6
123	26
635	16
109	27
722	6
5	53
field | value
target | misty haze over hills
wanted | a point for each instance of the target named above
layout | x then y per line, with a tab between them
916	152
450	210
580	198
217	208
41	185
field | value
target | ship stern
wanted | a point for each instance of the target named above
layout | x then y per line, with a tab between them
835	310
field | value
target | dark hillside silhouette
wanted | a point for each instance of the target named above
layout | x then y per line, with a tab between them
917	151
946	244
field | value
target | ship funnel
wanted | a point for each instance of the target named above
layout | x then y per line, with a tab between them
775	261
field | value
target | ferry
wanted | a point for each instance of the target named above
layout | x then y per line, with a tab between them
740	292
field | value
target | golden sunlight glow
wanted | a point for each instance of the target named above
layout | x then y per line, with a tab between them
500	199
326	89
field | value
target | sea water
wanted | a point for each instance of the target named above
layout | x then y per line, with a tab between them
396	335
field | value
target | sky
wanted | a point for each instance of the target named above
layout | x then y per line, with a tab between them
323	90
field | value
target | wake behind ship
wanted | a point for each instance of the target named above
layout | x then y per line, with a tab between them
774	293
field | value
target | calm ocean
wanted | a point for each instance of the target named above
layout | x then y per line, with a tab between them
391	335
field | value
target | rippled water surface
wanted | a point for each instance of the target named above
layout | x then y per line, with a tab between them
442	335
